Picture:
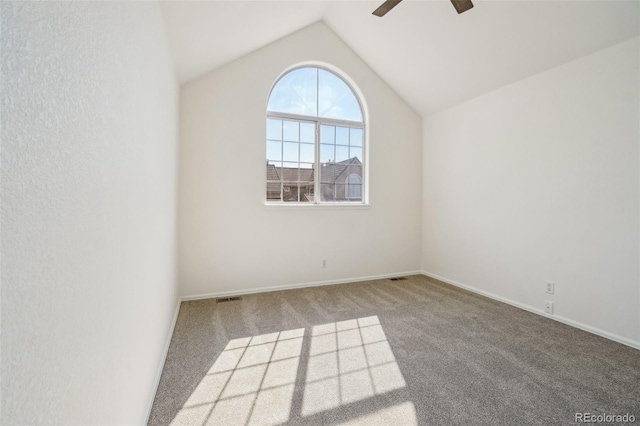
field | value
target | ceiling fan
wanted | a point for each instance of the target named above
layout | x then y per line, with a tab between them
460	5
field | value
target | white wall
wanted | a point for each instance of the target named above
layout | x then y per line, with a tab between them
229	241
89	131
540	181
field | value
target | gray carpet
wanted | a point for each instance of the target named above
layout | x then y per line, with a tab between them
416	351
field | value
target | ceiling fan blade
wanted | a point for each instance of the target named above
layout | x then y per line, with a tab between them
462	5
386	6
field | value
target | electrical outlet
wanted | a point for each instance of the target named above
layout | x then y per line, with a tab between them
548	306
550	287
324	263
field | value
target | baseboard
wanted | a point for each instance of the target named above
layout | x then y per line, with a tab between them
255	290
165	352
594	330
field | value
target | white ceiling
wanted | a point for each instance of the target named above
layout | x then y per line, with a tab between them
430	55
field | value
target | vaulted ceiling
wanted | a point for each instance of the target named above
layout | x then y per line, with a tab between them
430	55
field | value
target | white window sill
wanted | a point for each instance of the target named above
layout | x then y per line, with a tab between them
309	206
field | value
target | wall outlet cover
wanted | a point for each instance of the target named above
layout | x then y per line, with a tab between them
548	306
549	287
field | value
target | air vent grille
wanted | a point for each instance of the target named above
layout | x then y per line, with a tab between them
228	299
398	279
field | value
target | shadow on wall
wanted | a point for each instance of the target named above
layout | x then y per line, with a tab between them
253	381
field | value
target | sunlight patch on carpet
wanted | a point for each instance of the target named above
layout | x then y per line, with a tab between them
251	383
349	361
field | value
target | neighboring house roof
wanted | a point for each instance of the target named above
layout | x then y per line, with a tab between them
289	183
332	172
272	172
329	173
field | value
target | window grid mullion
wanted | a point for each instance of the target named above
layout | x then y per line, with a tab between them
317	165
282	161
298	172
325	120
335	157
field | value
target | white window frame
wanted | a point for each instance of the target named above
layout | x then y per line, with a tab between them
319	121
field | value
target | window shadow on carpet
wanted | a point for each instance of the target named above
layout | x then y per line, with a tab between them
254	380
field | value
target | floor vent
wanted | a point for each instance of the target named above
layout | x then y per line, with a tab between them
398	279
227	299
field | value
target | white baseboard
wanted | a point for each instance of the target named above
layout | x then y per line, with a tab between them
165	352
295	286
594	330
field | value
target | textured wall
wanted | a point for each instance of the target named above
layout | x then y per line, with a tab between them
229	239
540	181
89	111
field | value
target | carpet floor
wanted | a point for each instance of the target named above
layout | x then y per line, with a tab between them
408	352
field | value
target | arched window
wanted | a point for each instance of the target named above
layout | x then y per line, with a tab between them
315	139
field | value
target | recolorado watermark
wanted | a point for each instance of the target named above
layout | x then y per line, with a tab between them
604	418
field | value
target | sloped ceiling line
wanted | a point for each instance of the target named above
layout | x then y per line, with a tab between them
430	55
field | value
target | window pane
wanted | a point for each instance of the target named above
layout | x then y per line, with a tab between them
327	153
327	192
354	174
306	166
306	185
327	134
305	174
274	129
328	173
307	132
273	182
296	93
289	174
290	131
353	179
354	192
305	196
290	151
353	183
297	183
355	153
342	153
290	192
288	170
335	98
356	137
274	151
274	190
342	135
307	153
340	192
